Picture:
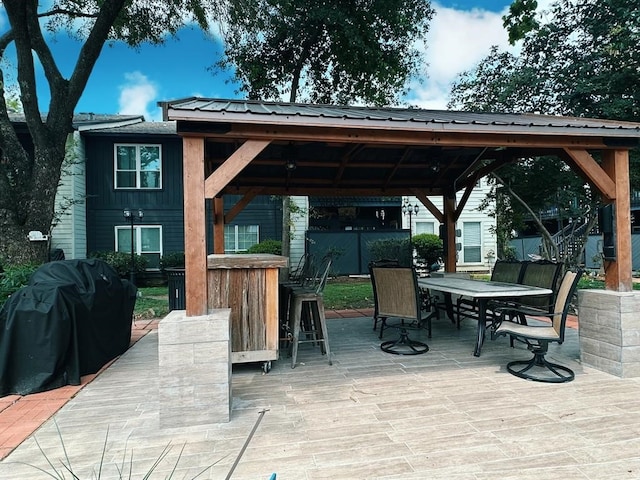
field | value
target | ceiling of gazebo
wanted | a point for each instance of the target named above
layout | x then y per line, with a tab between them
333	150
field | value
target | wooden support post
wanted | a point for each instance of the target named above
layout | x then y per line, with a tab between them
218	225
195	248
450	228
618	273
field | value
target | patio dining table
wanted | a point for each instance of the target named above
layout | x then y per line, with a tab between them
482	291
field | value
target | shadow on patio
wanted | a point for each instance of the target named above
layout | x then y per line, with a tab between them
442	415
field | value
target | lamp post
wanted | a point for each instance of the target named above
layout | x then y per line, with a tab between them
411	210
131	217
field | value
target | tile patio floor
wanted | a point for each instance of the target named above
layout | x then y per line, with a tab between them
441	415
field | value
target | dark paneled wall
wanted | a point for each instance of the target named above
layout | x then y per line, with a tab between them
163	207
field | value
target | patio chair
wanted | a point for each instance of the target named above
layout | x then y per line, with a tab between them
538	337
506	271
545	274
381	264
397	296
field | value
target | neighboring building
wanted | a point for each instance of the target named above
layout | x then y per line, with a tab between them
119	162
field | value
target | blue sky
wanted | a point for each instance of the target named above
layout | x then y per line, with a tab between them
132	82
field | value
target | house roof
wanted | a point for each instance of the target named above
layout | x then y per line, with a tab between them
362	151
392	118
87	121
140	128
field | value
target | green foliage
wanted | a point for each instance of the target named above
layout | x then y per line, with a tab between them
267	246
172	260
14	278
580	61
428	247
104	465
30	176
331	51
521	19
121	261
391	249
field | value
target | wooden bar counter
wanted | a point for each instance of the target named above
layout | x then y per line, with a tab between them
248	284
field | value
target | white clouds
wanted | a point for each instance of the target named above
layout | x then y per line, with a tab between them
137	94
457	41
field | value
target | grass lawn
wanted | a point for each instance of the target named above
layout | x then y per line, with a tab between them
340	293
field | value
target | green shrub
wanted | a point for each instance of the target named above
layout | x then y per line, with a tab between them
172	260
121	261
267	246
391	249
14	278
428	247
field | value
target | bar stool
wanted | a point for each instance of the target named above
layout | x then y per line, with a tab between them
306	314
311	326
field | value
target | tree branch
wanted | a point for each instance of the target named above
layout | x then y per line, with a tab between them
548	240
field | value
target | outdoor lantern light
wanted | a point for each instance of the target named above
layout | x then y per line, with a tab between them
131	217
411	210
290	165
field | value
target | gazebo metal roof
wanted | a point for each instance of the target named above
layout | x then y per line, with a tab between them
252	147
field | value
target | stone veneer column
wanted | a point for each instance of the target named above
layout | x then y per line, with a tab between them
194	368
609	327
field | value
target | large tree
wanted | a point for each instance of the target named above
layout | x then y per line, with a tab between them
30	170
330	51
326	52
580	61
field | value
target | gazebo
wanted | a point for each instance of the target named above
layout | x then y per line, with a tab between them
245	147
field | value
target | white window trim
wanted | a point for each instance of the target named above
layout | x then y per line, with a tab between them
235	241
138	166
464	244
137	232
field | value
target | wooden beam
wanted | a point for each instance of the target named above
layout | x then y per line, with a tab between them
422	196
618	274
395	168
218	225
195	248
344	161
411	137
465	197
221	177
450	239
593	172
241	204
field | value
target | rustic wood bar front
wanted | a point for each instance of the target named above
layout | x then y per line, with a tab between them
248	285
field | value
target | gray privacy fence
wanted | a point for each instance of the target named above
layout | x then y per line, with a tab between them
351	246
531	245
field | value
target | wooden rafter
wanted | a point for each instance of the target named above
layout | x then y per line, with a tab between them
242	157
594	173
241	204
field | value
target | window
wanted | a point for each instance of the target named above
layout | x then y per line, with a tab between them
471	241
424	227
147	241
238	238
138	166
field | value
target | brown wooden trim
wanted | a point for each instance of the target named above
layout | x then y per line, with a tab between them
465	198
450	225
218	225
593	172
378	136
242	157
618	274
241	204
422	196
195	247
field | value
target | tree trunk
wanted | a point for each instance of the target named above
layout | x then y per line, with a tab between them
29	205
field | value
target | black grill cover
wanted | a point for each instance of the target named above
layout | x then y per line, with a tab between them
72	318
